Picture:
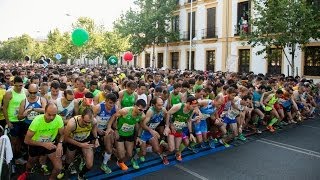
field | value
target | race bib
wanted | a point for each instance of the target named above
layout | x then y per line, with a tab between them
127	127
80	137
233	114
16	112
102	124
32	115
179	125
154	125
44	139
205	116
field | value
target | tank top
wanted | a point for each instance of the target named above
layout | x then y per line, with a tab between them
271	102
127	100
126	123
78	94
156	118
14	104
180	118
81	133
95	92
104	116
65	112
101	97
175	99
208	110
32	114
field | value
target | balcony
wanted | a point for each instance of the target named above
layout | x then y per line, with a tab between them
209	33
185	35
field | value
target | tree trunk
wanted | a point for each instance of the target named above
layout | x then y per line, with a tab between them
293	50
153	55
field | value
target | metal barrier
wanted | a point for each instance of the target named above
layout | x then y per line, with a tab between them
3	145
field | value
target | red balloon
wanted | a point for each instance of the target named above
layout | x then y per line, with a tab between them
128	56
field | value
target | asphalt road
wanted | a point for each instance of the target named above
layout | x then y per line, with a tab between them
292	153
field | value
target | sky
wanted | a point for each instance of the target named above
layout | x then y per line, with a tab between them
38	17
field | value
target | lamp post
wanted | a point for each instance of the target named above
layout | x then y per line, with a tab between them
190	30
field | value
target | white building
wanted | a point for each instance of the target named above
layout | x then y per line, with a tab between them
217	46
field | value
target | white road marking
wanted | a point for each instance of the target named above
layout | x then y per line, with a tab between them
191	172
294	147
311	127
308	152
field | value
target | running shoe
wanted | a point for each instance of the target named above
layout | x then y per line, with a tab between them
193	148
165	160
105	168
242	137
212	144
224	143
72	169
178	157
258	131
81	177
142	159
122	166
45	170
270	128
61	174
82	163
135	164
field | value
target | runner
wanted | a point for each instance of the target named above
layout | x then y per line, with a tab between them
104	112
11	104
155	115
81	134
181	118
128	97
126	126
66	105
42	140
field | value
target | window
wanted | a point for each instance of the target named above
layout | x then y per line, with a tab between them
211	23
135	61
274	57
147	60
193	24
211	58
243	25
192	60
175	24
189	1
175	60
160	60
312	61
244	60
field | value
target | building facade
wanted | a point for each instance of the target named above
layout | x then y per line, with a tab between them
216	43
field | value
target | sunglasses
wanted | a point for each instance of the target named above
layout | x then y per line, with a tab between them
141	110
86	122
19	85
32	92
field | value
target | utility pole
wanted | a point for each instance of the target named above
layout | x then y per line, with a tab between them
190	30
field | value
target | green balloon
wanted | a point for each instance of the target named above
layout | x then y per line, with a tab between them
113	60
79	37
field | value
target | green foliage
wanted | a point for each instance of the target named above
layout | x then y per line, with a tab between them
283	24
149	25
101	43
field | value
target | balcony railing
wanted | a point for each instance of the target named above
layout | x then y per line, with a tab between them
185	35
209	33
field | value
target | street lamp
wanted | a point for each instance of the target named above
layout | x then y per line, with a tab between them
190	30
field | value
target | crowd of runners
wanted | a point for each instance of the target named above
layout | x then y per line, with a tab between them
57	112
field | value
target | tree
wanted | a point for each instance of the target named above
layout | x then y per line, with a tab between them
283	24
149	25
16	48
